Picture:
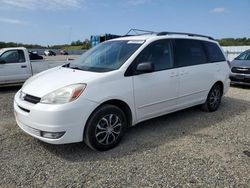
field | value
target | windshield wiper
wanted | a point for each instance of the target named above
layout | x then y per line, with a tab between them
73	67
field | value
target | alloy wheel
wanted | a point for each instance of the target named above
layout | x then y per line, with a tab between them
108	129
215	98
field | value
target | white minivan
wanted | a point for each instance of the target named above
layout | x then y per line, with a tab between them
120	83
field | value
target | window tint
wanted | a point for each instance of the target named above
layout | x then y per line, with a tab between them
244	56
158	53
13	56
214	53
189	52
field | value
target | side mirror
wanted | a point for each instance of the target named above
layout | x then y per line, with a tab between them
145	67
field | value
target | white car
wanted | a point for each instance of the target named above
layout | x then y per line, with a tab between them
49	53
120	83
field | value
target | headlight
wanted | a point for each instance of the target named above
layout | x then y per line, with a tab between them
64	95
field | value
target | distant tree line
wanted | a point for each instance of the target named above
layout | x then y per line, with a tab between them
86	44
74	45
235	42
13	44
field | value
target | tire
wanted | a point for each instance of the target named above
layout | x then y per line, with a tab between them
105	128
213	99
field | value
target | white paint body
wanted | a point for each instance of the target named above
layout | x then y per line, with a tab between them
14	73
147	95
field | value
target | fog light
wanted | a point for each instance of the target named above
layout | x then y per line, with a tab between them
52	135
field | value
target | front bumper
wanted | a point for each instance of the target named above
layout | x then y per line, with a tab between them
226	86
68	118
241	79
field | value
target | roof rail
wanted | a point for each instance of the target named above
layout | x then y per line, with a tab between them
188	34
139	32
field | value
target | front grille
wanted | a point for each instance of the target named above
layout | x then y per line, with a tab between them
31	99
241	70
235	79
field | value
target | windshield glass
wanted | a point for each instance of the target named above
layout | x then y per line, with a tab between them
244	56
107	56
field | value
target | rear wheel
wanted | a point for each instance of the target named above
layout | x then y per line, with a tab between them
213	99
105	128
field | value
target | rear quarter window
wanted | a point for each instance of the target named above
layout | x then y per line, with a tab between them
214	53
189	52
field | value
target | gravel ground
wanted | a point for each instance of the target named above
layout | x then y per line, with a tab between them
189	148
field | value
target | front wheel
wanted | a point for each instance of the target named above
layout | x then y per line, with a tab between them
213	99
105	128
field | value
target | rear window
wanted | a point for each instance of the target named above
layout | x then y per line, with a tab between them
214	53
189	52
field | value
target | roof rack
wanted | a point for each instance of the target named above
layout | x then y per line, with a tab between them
188	34
138	32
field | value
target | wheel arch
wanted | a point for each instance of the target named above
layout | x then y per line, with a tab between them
120	104
123	106
108	105
205	106
220	83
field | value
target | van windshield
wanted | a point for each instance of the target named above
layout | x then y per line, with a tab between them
107	56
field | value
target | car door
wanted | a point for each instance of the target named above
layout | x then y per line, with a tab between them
196	74
156	93
14	68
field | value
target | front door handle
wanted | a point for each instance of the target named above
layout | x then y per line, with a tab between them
24	66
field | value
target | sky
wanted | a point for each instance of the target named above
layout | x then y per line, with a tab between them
49	22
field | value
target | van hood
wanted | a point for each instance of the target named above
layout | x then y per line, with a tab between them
56	78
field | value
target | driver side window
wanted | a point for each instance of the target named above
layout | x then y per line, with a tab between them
13	56
158	53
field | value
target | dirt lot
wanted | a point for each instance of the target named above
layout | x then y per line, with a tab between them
190	148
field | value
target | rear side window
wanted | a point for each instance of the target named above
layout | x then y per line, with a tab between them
214	53
189	52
